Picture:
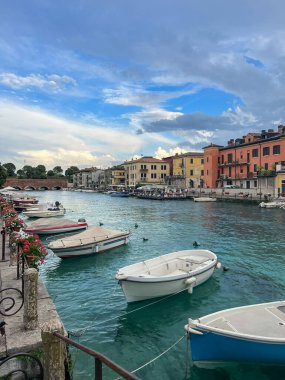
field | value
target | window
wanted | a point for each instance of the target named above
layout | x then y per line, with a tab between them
191	172
191	160
202	172
222	159
230	158
265	166
153	175
153	167
143	175
241	155
255	183
276	149
241	170
266	151
254	152
162	175
207	159
202	160
143	166
163	167
255	168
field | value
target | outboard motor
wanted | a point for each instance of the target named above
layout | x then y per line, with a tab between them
81	220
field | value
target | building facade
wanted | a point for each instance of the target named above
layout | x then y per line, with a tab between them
253	162
146	171
189	166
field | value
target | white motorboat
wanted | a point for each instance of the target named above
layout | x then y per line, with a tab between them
166	274
95	239
204	199
273	204
45	211
49	226
253	333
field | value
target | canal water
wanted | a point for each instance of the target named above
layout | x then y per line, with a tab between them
248	240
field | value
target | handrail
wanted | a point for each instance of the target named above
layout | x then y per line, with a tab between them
99	359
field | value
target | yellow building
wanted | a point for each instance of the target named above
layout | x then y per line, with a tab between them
146	171
189	166
118	176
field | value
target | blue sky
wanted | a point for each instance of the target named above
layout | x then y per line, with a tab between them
94	83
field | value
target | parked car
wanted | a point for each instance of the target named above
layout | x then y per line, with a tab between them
231	187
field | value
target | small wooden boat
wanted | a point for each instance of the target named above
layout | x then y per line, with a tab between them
204	199
45	211
94	240
254	333
119	194
273	204
166	274
49	226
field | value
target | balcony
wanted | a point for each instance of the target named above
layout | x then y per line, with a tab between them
234	163
143	170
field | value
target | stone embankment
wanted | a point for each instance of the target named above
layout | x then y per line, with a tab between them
30	329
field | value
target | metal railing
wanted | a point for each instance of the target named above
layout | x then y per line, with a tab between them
99	360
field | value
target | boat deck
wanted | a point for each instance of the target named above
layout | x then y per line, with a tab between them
258	321
92	235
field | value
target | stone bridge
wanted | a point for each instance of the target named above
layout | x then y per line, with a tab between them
37	184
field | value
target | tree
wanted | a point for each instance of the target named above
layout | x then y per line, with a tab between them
57	170
50	173
28	171
39	172
21	173
70	171
3	175
10	168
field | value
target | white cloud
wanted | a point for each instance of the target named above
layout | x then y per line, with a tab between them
52	83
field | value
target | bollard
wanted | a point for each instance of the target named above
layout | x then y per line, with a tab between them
3	243
53	351
31	299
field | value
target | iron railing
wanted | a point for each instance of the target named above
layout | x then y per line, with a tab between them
99	360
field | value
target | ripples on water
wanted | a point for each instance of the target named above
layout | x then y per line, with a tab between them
248	240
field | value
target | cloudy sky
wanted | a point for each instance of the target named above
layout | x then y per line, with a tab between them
96	82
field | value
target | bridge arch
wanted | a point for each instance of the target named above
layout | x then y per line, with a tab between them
29	188
56	188
43	188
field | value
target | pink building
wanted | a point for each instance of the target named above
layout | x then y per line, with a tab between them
249	162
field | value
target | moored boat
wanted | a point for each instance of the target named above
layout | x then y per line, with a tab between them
49	226
119	194
273	204
253	333
204	199
94	240
166	274
45	211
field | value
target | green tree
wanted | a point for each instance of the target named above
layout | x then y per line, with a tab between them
57	170
21	173
28	171
70	171
39	172
50	173
3	175
10	168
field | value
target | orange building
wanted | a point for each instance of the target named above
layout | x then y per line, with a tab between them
249	162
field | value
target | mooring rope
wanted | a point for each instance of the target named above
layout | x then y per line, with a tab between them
157	357
82	331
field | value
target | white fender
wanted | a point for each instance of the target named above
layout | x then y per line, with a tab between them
218	265
190	284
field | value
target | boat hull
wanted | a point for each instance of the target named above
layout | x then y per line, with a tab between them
213	348
142	290
43	214
56	229
92	248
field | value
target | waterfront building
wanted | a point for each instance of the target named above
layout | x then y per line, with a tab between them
146	171
118	176
255	161
187	170
88	178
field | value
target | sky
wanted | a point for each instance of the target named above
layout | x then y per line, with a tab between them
97	82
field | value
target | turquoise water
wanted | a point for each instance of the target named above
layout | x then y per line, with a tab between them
247	239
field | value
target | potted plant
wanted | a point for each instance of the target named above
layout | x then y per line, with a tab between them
33	250
16	224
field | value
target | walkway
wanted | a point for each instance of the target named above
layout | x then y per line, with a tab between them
16	338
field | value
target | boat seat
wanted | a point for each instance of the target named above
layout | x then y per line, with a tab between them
195	259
